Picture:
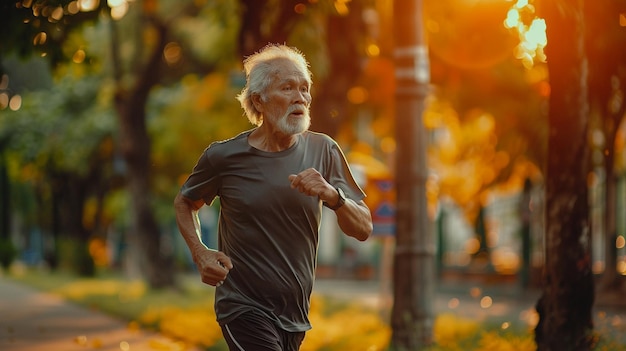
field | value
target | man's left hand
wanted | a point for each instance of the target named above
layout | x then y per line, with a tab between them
311	182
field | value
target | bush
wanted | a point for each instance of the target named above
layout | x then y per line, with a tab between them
74	255
7	253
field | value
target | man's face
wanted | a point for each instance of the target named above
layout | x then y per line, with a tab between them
287	100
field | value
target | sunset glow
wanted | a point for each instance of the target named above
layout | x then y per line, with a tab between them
532	36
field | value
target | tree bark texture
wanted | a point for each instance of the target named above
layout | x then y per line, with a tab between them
413	271
565	306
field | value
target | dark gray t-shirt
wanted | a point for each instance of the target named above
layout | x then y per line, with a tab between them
269	230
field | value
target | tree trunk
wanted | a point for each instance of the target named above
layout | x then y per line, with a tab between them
256	28
565	306
73	241
146	249
413	271
7	249
250	37
331	106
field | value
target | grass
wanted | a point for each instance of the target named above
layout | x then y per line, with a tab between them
186	314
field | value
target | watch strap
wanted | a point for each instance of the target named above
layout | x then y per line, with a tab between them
341	199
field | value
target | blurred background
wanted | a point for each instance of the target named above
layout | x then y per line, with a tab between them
106	105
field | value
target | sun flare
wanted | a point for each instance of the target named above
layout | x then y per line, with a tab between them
531	31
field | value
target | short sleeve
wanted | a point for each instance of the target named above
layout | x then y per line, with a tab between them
340	174
203	182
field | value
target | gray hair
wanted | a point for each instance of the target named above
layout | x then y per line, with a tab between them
259	74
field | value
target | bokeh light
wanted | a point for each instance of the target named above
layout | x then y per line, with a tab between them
81	340
299	8
119	8
73	8
56	14
40	38
124	346
532	36
172	53
530	317
620	242
79	56
475	292
357	95
4	100
621	267
486	302
453	303
15	103
88	5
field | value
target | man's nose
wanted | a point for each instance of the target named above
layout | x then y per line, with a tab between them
303	97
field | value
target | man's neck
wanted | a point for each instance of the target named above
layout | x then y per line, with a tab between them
271	140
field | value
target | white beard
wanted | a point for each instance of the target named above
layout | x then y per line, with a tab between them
294	126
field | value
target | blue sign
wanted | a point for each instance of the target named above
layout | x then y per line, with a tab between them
384	219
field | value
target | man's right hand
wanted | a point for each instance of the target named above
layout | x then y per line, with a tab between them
213	266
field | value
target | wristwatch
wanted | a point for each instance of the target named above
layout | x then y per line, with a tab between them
340	201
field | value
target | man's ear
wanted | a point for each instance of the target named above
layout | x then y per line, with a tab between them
257	101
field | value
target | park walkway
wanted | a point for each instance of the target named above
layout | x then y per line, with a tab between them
32	321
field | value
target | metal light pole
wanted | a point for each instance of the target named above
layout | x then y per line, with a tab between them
413	272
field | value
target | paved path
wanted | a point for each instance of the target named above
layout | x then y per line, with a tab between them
35	321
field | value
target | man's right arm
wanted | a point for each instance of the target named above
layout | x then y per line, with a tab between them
213	265
189	223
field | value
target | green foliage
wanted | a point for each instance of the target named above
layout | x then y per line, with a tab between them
7	253
40	27
59	147
75	256
211	35
183	120
59	129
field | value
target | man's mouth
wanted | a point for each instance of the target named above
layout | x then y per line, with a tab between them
297	112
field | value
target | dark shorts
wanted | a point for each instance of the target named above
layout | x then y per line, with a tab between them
252	331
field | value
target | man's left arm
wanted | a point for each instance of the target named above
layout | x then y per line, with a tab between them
354	217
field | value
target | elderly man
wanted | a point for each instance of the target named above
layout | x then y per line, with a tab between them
272	182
